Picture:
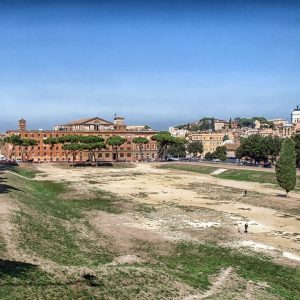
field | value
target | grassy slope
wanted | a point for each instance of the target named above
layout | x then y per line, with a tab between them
48	228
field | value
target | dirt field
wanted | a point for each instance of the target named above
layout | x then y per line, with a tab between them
215	203
156	210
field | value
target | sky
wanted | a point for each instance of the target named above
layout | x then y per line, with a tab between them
160	63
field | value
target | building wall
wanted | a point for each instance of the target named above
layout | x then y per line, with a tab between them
42	152
210	141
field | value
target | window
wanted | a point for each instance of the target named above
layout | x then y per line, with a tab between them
121	154
128	154
106	155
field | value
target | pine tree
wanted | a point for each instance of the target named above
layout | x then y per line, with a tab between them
286	166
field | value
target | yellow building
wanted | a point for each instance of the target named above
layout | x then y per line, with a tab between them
210	140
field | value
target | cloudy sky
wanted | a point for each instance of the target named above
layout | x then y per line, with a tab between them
154	62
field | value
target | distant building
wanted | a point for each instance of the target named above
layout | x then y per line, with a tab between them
178	132
295	116
83	127
210	140
87	124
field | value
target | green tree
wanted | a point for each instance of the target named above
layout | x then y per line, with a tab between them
253	148
225	137
93	144
296	140
52	142
73	149
220	153
27	146
208	156
286	166
164	140
195	148
115	142
141	142
14	141
177	150
230	124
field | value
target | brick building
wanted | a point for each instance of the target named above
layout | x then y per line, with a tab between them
90	126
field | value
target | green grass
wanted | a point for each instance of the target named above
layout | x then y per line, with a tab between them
252	176
50	226
189	168
249	175
194	264
238	175
24	171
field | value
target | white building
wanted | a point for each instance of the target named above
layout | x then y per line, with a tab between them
295	116
178	132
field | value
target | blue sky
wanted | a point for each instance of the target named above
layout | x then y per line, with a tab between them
154	62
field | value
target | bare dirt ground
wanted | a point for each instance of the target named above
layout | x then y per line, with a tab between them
189	206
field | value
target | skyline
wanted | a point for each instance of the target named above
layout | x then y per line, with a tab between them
158	63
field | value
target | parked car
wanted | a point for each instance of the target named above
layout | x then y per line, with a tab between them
267	165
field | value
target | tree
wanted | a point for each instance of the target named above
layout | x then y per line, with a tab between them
195	148
225	137
220	153
253	148
115	141
259	148
230	124
51	141
27	145
164	140
93	149
14	140
208	156
177	150
73	149
93	144
141	141
286	166
296	140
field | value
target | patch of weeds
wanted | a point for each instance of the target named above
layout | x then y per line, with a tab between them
140	195
92	182
145	208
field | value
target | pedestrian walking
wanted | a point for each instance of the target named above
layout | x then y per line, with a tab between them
246	227
245	193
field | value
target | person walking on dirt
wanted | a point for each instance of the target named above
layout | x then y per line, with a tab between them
245	193
246	227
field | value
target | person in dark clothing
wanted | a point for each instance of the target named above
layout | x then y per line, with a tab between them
246	227
245	193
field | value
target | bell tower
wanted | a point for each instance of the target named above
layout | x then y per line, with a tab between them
22	125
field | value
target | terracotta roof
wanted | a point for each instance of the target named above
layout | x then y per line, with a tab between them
86	120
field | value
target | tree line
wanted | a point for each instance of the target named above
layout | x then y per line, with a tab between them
72	145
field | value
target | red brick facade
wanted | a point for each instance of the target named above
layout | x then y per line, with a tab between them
42	152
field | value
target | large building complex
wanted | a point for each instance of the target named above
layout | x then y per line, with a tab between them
83	127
